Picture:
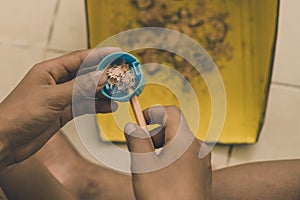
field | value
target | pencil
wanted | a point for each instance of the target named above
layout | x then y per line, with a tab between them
138	113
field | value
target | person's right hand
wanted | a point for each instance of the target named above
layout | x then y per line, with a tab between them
154	176
45	100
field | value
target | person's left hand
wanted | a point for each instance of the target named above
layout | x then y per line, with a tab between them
180	170
42	102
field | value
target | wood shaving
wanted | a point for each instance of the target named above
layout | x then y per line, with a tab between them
120	77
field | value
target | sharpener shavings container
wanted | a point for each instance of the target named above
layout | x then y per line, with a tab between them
134	67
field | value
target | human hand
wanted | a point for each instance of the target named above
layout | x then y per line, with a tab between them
177	172
42	102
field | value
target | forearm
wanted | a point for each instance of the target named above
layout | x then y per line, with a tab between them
31	180
262	180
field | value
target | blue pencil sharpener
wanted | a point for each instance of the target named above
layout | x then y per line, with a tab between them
125	76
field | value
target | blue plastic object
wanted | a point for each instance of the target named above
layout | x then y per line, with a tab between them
135	67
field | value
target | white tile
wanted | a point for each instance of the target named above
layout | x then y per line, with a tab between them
69	31
54	54
26	22
280	136
15	62
219	156
287	59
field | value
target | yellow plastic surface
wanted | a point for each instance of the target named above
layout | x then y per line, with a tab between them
245	64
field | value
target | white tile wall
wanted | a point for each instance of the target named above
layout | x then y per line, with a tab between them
26	22
15	61
280	136
287	63
219	157
69	30
53	54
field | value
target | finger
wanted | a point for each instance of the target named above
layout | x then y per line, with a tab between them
86	70
82	87
64	68
99	94
87	107
137	139
170	117
158	136
90	84
91	106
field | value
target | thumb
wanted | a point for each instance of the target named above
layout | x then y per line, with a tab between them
138	140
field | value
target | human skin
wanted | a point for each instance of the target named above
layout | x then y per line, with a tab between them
187	177
264	180
74	172
31	180
58	160
42	102
269	180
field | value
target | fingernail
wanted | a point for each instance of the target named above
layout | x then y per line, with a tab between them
130	128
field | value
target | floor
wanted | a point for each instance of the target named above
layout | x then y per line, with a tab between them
31	35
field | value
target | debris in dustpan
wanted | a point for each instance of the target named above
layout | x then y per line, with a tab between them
120	77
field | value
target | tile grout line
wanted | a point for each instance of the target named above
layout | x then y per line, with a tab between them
22	46
15	44
229	154
50	34
285	84
276	83
57	50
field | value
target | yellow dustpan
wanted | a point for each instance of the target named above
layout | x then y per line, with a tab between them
240	36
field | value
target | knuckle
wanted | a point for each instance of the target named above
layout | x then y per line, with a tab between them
41	69
37	67
76	53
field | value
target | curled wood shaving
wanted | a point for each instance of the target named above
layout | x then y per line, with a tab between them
120	76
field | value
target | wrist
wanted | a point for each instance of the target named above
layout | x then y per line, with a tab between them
6	156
